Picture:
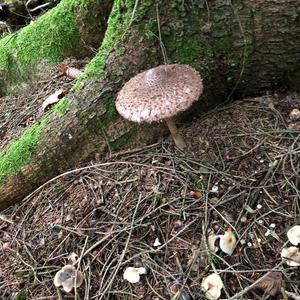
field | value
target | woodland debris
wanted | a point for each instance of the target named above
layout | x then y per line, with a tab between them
70	72
270	284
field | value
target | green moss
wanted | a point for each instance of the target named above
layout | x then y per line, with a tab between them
224	46
123	140
19	152
116	29
111	111
185	42
185	49
118	25
49	37
61	107
22	295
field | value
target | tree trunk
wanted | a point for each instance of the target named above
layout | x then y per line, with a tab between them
239	48
72	28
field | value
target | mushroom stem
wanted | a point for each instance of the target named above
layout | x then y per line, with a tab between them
178	139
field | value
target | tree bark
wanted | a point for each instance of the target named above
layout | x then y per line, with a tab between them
239	48
73	28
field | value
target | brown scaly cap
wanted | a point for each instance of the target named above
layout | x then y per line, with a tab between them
159	93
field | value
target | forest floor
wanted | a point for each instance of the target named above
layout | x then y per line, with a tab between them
154	207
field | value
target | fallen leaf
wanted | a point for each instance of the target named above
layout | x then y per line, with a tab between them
55	97
195	194
270	284
73	73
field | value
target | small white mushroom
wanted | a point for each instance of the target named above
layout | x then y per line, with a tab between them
211	240
291	256
215	189
294	235
295	114
212	286
157	242
68	277
133	274
228	242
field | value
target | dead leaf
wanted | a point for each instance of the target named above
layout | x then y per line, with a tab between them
73	73
70	216
55	97
195	194
270	284
70	72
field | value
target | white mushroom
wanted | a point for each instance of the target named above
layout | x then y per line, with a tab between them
295	114
157	242
228	242
211	239
294	235
212	286
291	256
68	277
133	274
159	94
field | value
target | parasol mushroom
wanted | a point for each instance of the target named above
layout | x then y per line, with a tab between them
159	94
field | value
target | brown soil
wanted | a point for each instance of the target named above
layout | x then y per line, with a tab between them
106	216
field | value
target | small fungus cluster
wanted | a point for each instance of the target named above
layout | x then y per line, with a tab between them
227	242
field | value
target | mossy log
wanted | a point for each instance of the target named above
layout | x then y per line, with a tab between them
240	48
72	28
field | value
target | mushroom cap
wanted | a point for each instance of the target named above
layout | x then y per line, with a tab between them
68	277
228	242
212	285
159	93
294	235
132	274
211	239
291	256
